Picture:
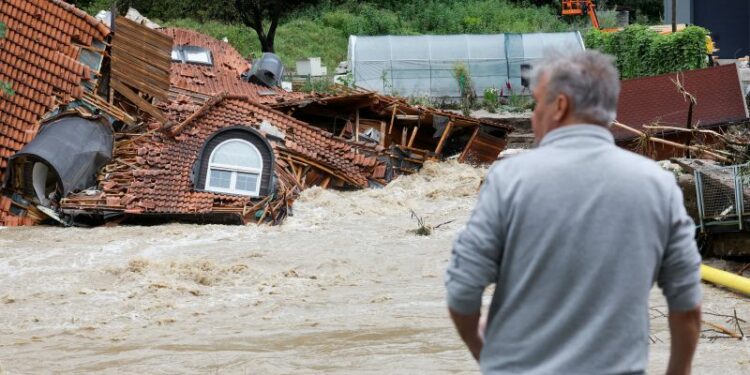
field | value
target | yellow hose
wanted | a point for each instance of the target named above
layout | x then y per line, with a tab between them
726	279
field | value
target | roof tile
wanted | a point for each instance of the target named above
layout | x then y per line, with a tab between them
648	100
39	34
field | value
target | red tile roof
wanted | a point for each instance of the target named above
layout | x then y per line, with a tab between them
224	75
644	101
39	58
156	177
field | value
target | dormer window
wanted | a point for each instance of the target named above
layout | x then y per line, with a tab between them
192	55
236	160
235	167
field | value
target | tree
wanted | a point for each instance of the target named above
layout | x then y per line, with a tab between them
255	14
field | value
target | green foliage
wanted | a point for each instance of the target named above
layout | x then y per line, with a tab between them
317	84
347	80
294	40
517	102
323	30
491	99
641	52
6	88
465	87
387	84
423	100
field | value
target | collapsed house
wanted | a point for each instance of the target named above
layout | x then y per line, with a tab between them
680	108
130	123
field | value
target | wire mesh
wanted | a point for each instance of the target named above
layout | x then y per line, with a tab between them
720	189
423	65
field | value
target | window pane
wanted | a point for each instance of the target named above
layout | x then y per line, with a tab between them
237	153
220	179
197	56
247	181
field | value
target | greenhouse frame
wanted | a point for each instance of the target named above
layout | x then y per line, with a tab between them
423	65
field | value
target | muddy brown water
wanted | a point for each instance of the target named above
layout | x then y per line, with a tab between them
341	287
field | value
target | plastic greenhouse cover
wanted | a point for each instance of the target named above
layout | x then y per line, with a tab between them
422	65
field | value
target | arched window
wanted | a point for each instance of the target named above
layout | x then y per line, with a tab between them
235	167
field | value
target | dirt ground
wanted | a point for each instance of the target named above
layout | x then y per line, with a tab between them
342	287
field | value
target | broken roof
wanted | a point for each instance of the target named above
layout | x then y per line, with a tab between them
40	58
223	75
648	100
150	173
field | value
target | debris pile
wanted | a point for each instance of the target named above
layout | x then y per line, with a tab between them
188	135
682	114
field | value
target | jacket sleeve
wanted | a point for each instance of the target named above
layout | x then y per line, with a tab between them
477	250
679	274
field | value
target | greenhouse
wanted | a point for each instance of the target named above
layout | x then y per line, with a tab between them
422	65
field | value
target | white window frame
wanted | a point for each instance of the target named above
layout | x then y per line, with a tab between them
182	52
234	169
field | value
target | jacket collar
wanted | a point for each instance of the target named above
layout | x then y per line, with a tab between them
595	132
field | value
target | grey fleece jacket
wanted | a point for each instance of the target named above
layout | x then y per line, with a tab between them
574	234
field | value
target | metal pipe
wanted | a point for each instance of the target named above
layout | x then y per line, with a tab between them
674	16
725	279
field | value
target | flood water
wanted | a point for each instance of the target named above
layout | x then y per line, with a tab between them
343	286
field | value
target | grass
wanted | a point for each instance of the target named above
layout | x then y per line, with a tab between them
323	31
294	40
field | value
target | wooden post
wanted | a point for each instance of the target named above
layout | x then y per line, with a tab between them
393	117
413	136
343	130
382	133
691	127
326	182
444	137
356	126
404	133
674	16
468	146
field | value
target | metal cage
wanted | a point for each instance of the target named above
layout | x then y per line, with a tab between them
721	197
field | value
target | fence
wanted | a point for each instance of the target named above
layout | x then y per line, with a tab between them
721	193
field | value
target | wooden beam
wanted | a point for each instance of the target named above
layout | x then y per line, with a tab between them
343	130
413	136
444	137
356	126
408	117
138	101
382	133
393	117
468	146
404	133
326	182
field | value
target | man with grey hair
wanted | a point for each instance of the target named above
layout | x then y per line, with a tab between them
574	234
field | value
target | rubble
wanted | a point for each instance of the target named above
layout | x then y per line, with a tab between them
681	108
191	139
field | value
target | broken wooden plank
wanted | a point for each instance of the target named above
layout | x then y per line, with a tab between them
462	158
413	136
444	137
138	101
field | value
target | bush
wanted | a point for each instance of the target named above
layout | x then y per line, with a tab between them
642	52
491	99
465	87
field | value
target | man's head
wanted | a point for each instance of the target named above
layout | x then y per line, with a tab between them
577	88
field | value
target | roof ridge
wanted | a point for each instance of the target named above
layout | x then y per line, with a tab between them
210	103
94	22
